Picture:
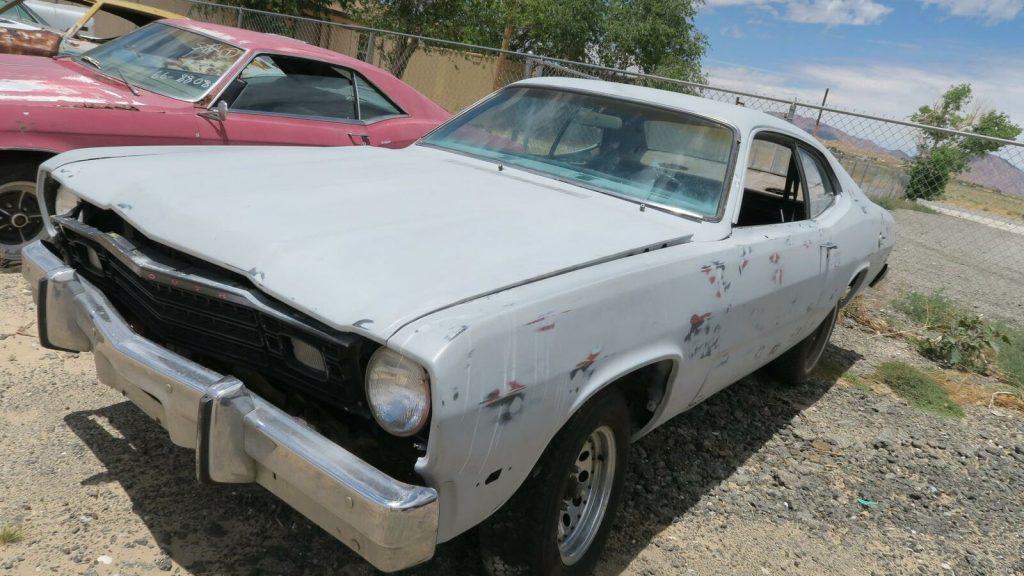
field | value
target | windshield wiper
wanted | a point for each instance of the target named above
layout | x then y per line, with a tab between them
120	74
95	63
127	83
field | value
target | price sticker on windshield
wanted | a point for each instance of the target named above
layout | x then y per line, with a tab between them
186	78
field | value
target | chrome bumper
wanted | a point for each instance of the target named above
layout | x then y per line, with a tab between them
238	436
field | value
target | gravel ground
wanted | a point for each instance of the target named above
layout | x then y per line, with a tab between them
760	479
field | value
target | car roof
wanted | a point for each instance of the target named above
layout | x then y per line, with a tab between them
742	118
407	97
249	40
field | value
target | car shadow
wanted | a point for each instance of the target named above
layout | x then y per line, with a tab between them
672	468
242	529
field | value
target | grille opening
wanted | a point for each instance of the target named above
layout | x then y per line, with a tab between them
246	342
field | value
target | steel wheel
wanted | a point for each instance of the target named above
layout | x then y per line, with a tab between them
21	220
586	496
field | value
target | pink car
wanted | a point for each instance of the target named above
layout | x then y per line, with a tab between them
183	82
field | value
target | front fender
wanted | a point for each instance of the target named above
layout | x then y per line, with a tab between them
509	370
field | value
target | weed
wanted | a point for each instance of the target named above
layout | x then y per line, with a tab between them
1011	358
930	310
918	388
955	337
11	535
861	313
891	204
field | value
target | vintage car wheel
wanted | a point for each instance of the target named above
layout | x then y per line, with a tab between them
21	220
795	366
559	519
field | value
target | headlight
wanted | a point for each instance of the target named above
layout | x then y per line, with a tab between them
65	201
398	391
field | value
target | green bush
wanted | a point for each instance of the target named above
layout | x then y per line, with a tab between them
918	388
931	171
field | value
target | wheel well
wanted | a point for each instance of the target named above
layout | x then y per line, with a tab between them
644	390
24	156
853	288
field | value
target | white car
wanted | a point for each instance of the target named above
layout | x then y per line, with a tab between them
407	344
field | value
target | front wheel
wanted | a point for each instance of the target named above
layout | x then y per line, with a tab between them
557	522
21	220
795	366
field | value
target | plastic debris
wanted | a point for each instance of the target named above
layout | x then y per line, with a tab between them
867	503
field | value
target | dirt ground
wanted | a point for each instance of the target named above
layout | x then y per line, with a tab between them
827	478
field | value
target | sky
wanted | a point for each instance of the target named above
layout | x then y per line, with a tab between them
884	57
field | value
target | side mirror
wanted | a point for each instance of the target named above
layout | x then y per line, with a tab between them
218	113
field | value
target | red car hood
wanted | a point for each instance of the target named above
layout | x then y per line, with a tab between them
60	81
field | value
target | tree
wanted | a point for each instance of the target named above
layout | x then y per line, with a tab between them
940	155
646	36
266	22
642	35
443	19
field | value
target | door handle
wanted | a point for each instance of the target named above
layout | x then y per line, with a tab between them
359	139
829	246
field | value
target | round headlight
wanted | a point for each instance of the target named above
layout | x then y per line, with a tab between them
398	391
65	201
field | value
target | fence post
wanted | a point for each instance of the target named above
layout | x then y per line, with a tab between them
238	21
371	44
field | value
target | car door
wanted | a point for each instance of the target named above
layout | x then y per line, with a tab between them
775	269
822	186
286	100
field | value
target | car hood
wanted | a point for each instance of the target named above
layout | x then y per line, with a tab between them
62	82
364	239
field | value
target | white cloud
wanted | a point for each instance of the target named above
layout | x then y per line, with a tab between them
829	12
733	31
992	11
834	12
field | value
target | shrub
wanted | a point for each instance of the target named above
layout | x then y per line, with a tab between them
955	338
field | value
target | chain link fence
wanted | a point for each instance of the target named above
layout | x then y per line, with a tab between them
891	160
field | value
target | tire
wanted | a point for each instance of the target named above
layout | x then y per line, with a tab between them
535	532
21	220
794	367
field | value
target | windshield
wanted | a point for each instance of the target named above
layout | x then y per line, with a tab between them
165	60
649	154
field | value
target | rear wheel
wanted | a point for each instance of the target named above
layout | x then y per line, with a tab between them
21	220
558	521
795	366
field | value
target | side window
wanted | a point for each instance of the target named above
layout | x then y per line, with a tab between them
290	86
820	192
774	192
372	103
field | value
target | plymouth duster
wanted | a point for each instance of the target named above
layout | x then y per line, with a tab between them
466	333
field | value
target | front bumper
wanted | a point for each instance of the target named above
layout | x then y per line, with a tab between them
238	436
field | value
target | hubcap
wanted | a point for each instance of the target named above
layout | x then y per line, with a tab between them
20	217
587	491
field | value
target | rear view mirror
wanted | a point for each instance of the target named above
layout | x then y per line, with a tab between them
598	120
